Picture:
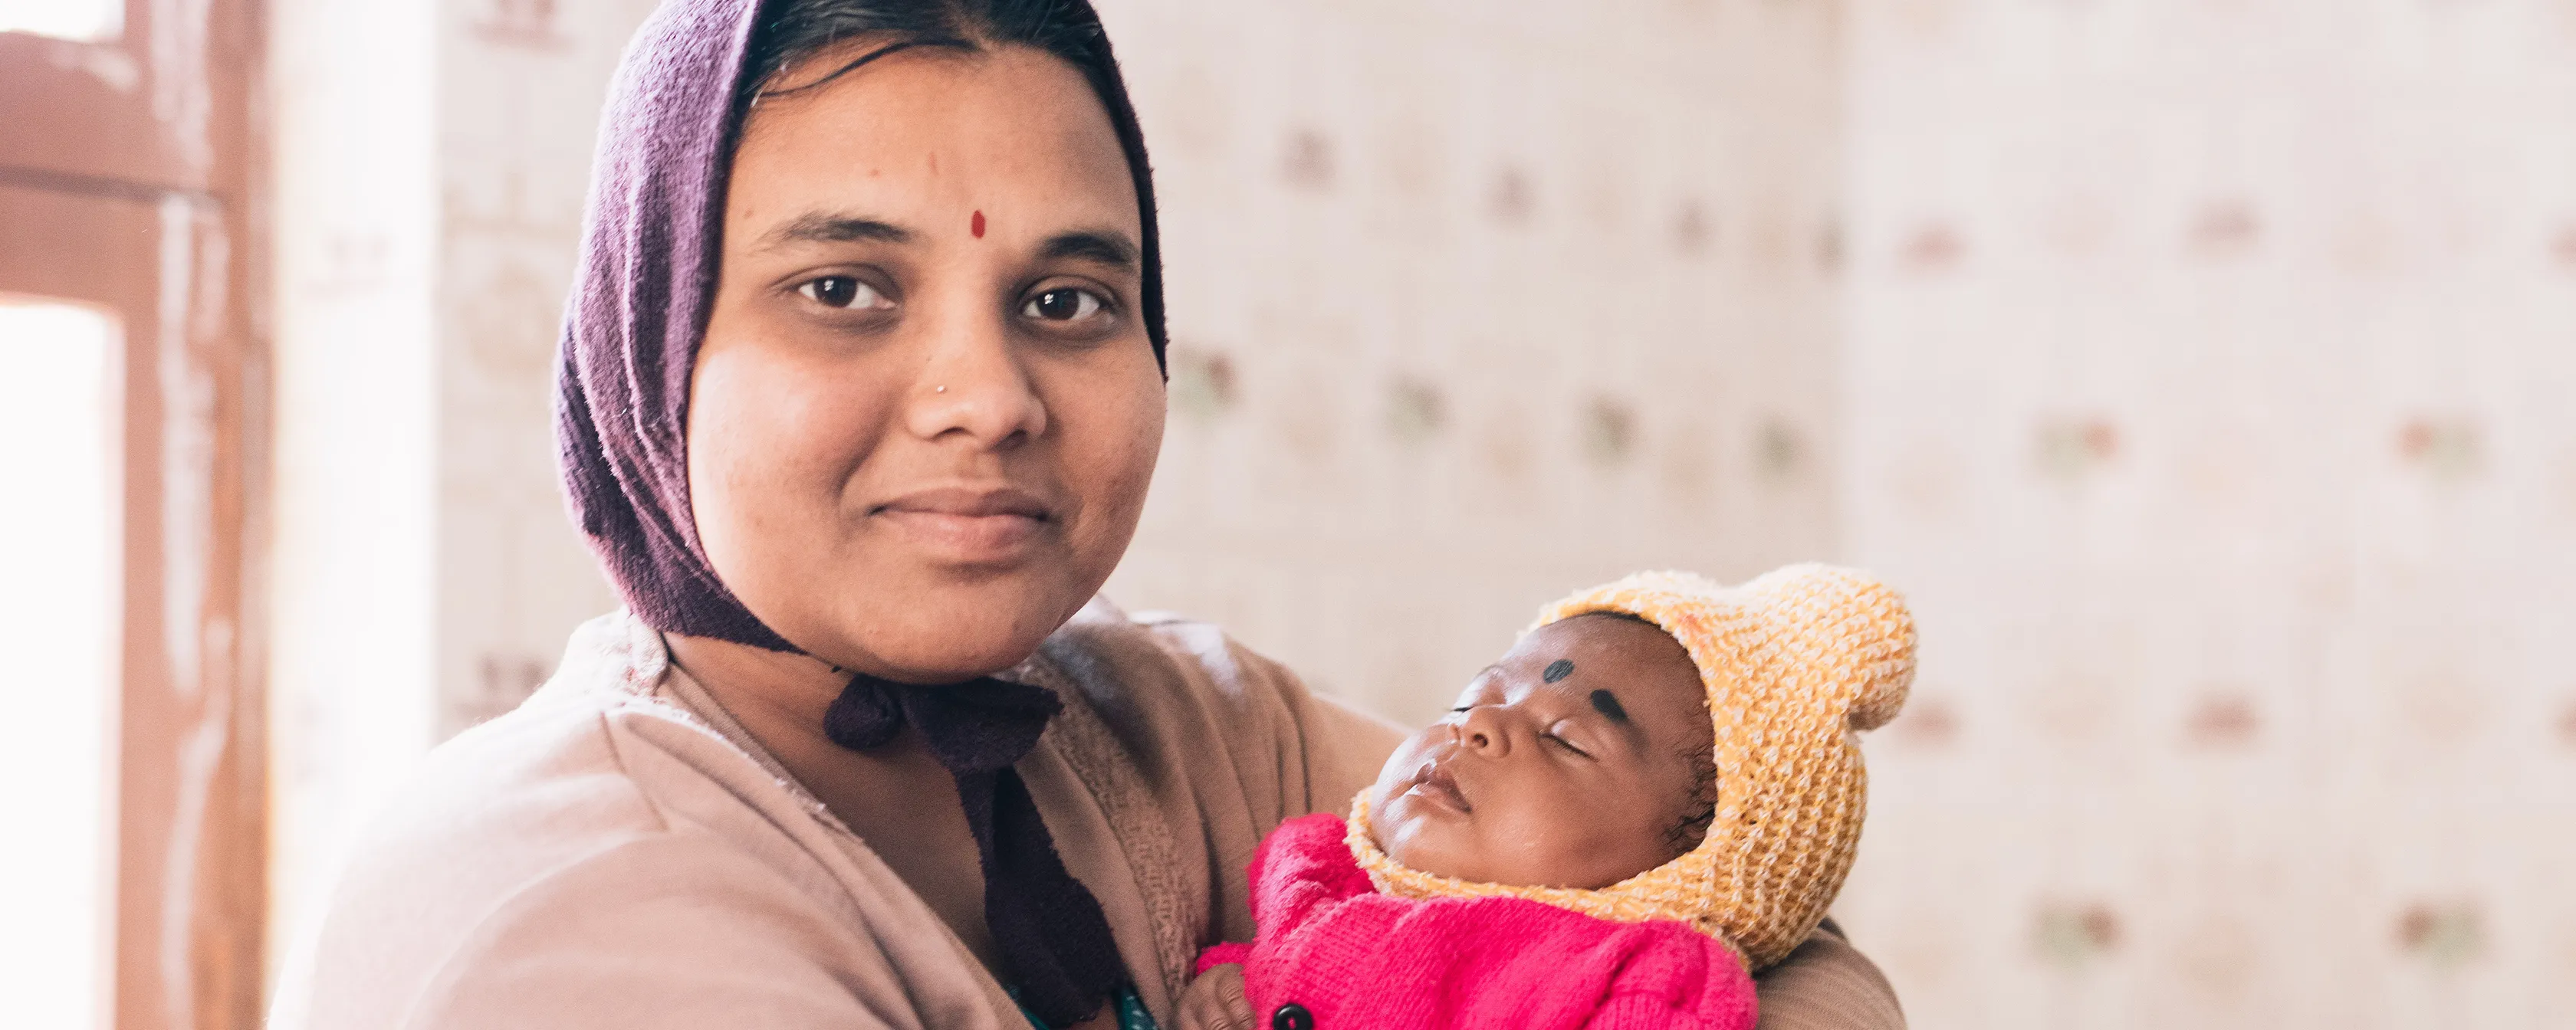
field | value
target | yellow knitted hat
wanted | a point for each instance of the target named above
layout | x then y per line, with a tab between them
1796	662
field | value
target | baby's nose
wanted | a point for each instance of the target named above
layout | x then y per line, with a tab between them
1481	730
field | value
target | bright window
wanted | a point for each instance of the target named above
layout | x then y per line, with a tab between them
58	627
89	21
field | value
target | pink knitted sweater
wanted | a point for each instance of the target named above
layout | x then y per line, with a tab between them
1332	946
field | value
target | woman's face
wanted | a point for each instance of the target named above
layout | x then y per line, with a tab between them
926	410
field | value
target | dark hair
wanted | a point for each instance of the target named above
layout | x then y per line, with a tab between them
1692	827
791	31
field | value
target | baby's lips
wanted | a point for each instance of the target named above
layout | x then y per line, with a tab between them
1436	782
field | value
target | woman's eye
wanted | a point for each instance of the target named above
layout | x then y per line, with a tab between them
841	291
1065	304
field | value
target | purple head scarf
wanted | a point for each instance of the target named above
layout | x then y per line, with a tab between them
651	244
650	256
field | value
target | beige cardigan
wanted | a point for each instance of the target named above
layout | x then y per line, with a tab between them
618	854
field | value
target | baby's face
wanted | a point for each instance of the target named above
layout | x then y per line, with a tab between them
1568	763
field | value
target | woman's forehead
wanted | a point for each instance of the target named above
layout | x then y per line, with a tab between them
926	133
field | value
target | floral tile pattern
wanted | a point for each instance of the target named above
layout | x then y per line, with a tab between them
2207	373
1508	305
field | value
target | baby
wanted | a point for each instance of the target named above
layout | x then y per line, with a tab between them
1655	792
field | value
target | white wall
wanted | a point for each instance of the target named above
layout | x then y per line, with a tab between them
1505	304
430	163
2207	387
521	85
355	565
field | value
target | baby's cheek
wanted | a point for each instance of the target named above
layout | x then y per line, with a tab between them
1383	789
1399	768
1561	841
1429	845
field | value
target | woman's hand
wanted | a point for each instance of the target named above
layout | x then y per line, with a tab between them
1215	1001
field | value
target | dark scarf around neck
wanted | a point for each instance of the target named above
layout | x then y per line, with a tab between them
1054	941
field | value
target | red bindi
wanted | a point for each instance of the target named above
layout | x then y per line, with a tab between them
977	225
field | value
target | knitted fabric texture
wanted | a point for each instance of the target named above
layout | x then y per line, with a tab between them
1352	957
1796	663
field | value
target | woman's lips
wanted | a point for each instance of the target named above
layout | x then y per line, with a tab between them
970	524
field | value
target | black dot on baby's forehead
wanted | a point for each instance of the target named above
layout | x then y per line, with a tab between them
1557	670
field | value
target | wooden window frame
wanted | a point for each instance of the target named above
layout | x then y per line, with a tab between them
129	179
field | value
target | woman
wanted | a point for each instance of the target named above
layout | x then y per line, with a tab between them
860	395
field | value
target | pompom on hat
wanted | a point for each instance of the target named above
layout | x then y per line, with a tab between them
1796	663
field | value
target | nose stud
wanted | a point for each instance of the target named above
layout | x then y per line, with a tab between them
939	389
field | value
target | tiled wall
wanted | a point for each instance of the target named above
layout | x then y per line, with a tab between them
2208	381
1467	312
521	86
1471	310
430	160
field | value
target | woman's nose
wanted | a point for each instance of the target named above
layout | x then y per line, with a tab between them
974	386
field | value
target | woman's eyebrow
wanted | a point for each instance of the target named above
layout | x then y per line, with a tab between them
817	227
1106	248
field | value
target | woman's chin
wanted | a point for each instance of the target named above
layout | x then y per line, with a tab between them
948	635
